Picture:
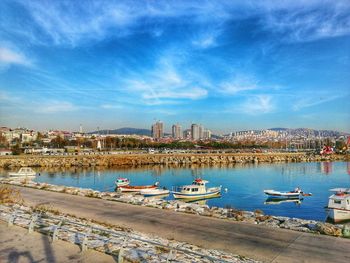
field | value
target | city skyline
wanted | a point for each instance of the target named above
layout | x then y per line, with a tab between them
228	66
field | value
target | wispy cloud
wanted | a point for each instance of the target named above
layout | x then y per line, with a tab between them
111	106
311	101
12	57
311	21
238	84
258	104
165	83
55	106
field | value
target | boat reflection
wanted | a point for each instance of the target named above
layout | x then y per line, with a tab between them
200	200
157	196
278	201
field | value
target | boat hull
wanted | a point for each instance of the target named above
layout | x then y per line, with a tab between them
135	189
22	174
178	195
285	195
338	215
154	192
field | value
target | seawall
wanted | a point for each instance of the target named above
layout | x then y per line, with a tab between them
111	160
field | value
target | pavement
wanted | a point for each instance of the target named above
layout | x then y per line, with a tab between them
254	241
16	245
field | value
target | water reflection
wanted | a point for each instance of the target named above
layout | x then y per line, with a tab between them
326	167
245	182
278	201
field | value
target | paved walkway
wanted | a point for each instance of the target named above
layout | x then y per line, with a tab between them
254	241
16	245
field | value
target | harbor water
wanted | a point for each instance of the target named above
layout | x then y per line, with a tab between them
244	183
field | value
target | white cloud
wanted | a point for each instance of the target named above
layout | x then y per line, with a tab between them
9	57
111	106
238	84
311	101
55	106
166	83
257	104
74	22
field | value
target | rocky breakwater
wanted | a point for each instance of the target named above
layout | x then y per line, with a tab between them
253	217
109	160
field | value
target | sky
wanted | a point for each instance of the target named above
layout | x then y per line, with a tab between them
228	65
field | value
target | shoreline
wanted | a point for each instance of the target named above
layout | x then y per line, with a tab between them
132	160
232	214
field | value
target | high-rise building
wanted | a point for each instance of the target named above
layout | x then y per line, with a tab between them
176	131
187	134
157	130
195	132
206	134
201	131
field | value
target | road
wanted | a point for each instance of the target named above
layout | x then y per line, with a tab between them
253	241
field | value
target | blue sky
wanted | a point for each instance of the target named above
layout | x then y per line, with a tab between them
230	65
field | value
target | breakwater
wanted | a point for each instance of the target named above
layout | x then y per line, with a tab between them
112	160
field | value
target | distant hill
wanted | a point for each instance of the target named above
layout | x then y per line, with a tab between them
126	130
307	131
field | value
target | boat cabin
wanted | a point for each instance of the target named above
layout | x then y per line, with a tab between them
197	187
341	199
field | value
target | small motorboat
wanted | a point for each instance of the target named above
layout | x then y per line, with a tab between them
154	192
122	182
136	189
197	190
23	172
295	194
339	205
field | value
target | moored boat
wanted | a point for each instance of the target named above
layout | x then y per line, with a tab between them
339	205
154	192
196	190
297	193
136	189
122	182
23	172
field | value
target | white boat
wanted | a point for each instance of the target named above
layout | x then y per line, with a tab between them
122	182
196	190
295	194
339	205
154	192
23	172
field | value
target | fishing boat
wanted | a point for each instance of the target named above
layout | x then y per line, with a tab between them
23	172
154	192
136	189
339	205
122	182
196	190
297	193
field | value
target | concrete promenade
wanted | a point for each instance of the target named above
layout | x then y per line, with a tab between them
254	241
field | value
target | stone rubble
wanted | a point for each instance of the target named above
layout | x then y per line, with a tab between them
137	247
257	217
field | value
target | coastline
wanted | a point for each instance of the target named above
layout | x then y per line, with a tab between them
231	214
115	160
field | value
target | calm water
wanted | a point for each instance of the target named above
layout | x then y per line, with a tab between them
245	183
